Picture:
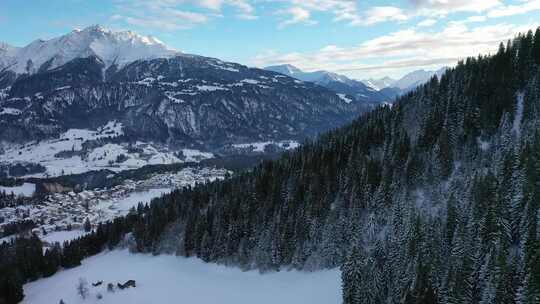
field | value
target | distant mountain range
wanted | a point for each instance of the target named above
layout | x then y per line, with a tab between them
338	83
372	91
407	82
89	77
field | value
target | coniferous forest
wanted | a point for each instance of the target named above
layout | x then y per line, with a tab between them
433	200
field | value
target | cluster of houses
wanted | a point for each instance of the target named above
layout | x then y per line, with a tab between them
71	210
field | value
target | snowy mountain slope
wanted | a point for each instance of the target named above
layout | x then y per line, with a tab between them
186	100
332	81
167	109
6	53
114	48
6	48
81	150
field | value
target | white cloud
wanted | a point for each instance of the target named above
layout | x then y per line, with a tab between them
170	15
471	19
427	23
157	13
242	5
429	8
445	7
510	10
247	16
477	18
380	14
301	11
169	20
296	15
400	50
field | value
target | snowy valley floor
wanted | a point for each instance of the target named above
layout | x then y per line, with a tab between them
170	279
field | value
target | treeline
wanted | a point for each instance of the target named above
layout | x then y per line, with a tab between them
8	171
15	227
12	200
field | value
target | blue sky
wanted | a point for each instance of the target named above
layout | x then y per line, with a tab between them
361	39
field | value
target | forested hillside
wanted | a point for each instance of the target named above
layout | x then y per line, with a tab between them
434	200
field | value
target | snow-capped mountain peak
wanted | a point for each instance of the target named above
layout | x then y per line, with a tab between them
113	47
379	84
286	69
407	82
416	78
317	76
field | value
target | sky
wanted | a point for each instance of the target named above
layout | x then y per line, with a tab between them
358	38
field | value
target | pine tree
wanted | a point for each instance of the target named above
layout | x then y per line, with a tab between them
351	278
536	46
11	291
87	226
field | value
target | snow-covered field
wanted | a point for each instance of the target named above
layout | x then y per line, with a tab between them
26	189
67	155
170	279
344	98
123	205
61	236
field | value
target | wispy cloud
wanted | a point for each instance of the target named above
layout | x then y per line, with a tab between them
295	15
168	20
445	7
510	10
170	15
342	10
404	49
182	14
427	23
484	8
380	14
427	8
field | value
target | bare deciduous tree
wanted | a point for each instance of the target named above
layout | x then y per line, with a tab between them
82	288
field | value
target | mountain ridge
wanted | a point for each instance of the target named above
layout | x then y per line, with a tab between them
113	47
383	90
407	82
339	83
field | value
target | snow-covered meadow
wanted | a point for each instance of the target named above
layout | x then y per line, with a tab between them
169	279
67	154
26	190
62	236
